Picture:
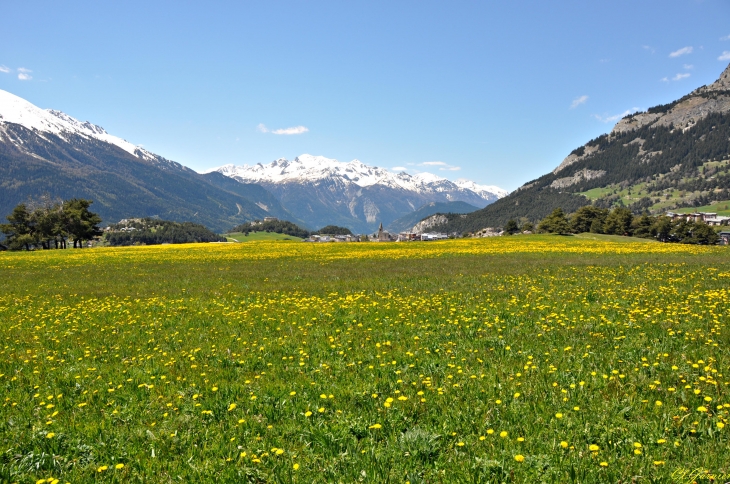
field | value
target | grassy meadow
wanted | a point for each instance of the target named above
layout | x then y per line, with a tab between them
258	237
508	359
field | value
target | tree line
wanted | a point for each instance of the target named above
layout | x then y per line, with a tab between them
287	228
50	224
621	221
150	231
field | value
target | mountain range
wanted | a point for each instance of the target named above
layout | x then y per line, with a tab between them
671	156
325	191
49	152
44	151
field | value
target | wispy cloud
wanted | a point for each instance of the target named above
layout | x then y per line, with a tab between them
292	130
399	168
4	69
441	165
261	128
682	51
648	48
681	75
727	37
24	74
724	56
688	66
578	101
615	117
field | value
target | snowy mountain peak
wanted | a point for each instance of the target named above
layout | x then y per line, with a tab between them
475	187
14	109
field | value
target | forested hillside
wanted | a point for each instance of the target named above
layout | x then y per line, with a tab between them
671	156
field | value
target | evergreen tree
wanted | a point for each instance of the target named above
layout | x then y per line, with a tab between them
583	218
19	231
644	226
555	223
81	223
618	222
511	227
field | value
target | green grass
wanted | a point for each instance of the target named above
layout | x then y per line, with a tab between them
259	236
613	238
365	362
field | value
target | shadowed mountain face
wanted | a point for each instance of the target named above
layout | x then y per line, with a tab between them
122	184
682	146
407	222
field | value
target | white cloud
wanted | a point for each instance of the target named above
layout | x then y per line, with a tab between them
727	37
441	165
680	76
664	79
682	51
261	128
24	74
724	56
399	168
615	117
292	130
648	48
578	101
4	69
688	66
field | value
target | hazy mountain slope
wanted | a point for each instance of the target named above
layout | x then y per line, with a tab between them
322	191
673	146
408	221
52	153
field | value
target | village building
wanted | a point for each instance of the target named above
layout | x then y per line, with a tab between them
408	237
382	235
434	236
710	218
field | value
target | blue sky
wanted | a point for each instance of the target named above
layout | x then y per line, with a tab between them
497	92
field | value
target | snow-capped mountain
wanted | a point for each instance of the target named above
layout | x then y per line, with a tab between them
16	110
43	151
484	190
319	190
309	168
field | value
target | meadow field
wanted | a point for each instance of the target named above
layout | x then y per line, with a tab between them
508	359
